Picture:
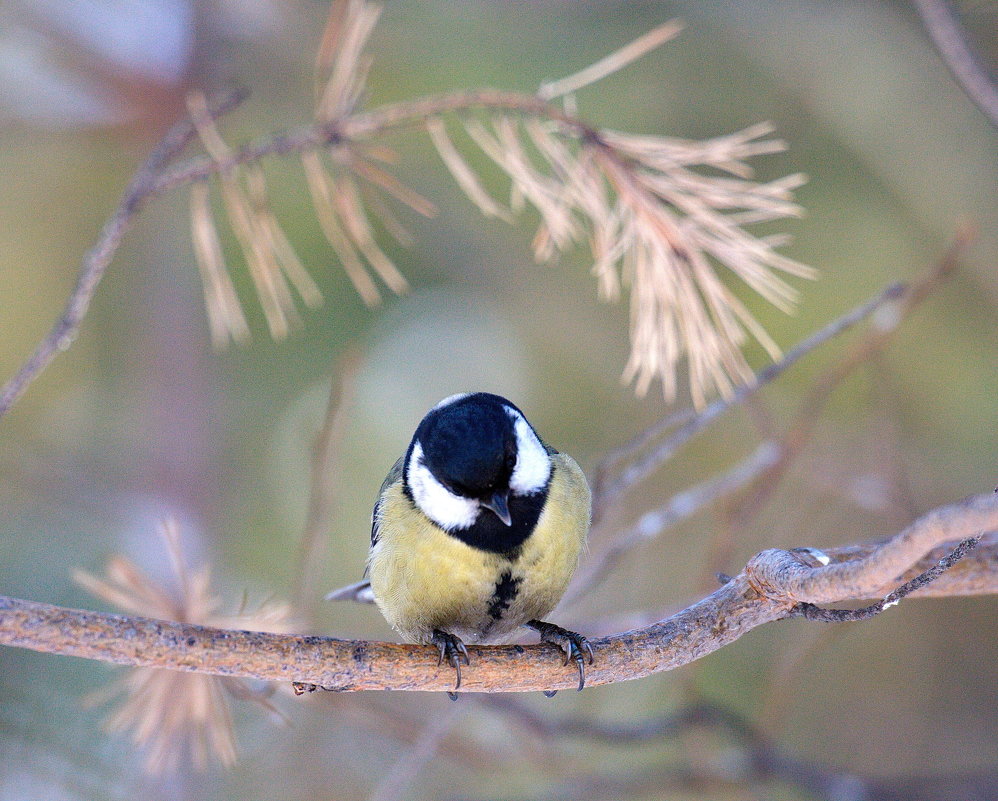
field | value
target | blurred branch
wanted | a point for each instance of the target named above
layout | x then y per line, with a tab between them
324	477
679	507
385	719
888	308
695	715
788	675
769	588
607	491
874	340
395	782
761	759
951	41
140	189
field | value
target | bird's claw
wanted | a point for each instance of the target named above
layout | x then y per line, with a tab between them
452	649
574	645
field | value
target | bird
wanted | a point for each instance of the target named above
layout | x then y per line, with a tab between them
476	532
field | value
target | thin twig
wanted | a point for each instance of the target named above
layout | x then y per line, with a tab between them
773	583
681	506
396	781
812	612
96	262
951	42
642	467
324	477
368	124
603	472
874	340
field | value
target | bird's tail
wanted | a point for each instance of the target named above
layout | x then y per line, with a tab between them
359	592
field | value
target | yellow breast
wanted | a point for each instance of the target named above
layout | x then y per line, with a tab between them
425	579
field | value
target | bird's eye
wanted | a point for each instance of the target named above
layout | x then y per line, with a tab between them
510	461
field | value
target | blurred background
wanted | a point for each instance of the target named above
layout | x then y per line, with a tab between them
141	419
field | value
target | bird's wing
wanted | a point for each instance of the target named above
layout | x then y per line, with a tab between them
394	475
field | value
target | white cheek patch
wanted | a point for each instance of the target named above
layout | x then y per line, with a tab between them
443	507
533	465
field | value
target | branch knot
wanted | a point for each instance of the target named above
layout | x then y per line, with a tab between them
769	571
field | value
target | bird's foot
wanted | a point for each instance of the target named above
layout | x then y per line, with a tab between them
574	645
452	649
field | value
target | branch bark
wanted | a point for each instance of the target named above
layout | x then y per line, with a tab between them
769	588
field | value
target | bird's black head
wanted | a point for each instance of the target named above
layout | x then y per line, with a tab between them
470	445
477	469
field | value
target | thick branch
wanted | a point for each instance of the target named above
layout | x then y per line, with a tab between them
866	577
770	587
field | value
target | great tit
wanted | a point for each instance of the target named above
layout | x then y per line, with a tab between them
477	531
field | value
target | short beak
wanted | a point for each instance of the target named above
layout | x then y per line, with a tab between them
498	503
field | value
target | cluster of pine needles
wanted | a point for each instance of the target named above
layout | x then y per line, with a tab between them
662	217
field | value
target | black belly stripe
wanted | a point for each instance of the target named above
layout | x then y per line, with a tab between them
502	596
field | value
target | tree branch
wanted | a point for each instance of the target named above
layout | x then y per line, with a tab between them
951	42
367	124
780	574
893	598
155	177
95	263
607	491
760	758
772	585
